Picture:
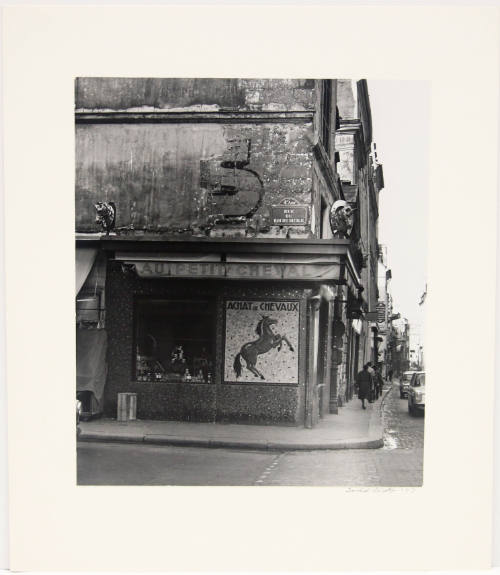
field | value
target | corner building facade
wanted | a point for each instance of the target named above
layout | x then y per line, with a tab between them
362	180
219	294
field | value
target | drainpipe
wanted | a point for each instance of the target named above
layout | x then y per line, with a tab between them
313	304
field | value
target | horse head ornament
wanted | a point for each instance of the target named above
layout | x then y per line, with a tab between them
105	215
341	219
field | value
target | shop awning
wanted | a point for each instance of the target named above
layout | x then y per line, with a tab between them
237	259
84	261
91	367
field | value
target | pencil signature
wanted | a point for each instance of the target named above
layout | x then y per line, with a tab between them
380	489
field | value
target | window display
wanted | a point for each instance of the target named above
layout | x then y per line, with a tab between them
174	340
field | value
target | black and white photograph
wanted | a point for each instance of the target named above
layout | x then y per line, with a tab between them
250	281
240	241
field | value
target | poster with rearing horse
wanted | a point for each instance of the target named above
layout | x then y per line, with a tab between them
261	341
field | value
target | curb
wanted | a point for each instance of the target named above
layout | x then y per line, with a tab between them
232	444
387	391
376	442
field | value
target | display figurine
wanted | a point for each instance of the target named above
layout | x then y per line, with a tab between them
178	354
106	215
341	219
177	360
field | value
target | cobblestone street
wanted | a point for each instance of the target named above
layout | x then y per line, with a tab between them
401	430
398	464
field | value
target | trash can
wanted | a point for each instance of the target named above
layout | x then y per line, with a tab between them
127	407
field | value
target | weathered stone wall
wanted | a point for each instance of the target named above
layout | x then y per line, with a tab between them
262	403
165	177
209	94
182	175
347	99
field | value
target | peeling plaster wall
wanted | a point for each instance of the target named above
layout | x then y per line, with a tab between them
194	93
153	171
162	176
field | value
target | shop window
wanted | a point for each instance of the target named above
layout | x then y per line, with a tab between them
174	340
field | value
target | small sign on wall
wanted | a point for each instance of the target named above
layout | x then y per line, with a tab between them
289	215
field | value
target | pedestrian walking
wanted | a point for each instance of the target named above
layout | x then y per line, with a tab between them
371	371
390	375
364	383
379	382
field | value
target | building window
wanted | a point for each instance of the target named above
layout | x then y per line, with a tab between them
88	309
326	114
174	340
326	230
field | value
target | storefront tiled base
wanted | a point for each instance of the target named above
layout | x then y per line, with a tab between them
223	398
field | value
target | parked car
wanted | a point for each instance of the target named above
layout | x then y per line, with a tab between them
416	393
404	383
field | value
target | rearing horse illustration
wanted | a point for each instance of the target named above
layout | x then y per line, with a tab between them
267	340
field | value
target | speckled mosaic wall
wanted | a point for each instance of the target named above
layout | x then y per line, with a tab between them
261	341
257	402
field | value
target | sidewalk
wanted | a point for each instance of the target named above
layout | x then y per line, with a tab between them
352	428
